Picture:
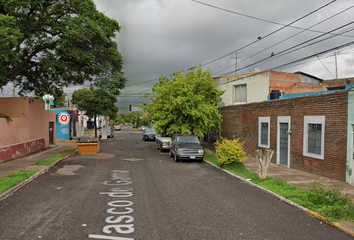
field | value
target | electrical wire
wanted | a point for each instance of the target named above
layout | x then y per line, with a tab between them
283	26
325	67
290	37
314	55
287	51
265	20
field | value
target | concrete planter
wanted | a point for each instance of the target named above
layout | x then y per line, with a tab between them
88	146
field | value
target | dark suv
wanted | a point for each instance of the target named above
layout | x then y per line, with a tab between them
186	147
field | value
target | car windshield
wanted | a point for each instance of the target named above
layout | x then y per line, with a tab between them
187	140
150	131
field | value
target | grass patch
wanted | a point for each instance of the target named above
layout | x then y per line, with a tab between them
49	160
15	178
330	204
71	149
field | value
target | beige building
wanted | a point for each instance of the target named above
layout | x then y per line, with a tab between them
257	86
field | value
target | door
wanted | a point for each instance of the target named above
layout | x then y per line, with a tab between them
283	144
51	133
283	141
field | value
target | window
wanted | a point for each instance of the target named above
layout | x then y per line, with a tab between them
264	132
314	127
240	93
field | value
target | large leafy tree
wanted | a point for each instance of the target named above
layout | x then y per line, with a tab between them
186	103
46	44
95	102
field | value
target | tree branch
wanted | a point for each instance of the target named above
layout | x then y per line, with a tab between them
19	69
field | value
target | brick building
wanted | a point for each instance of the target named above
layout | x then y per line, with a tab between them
312	133
257	86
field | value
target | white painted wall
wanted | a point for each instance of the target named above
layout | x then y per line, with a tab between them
257	87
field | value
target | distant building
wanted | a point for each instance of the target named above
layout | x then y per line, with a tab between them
262	86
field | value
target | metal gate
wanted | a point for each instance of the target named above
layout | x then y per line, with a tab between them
284	144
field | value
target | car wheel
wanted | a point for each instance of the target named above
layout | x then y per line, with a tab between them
175	157
157	145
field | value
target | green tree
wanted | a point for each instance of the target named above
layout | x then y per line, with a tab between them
186	103
95	102
59	97
48	44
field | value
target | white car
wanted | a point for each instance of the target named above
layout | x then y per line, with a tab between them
110	132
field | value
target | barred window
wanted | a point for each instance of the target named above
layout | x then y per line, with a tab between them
314	132
314	138
264	132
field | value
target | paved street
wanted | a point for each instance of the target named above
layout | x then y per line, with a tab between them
131	190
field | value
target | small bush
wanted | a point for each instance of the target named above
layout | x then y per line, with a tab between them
319	195
230	152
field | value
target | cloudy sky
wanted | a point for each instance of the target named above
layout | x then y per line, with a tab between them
159	37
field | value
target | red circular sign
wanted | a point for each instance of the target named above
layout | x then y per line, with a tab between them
64	118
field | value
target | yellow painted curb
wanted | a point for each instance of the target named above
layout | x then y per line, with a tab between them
333	224
66	140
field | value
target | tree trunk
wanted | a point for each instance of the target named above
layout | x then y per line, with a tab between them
263	157
94	119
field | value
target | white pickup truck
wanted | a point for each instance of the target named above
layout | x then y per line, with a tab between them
163	143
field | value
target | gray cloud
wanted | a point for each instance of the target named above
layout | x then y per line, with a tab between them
159	37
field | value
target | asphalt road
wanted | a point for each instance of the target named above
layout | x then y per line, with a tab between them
131	190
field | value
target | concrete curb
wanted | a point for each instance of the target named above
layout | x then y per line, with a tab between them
12	190
307	211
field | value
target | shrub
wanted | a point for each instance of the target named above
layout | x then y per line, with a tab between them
230	152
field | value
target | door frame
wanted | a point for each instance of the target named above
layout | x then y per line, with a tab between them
283	119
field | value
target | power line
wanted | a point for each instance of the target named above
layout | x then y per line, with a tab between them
292	37
260	38
287	51
302	60
314	55
265	20
134	84
325	67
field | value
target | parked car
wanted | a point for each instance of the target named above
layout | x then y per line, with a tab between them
110	132
186	147
117	128
142	128
163	143
149	134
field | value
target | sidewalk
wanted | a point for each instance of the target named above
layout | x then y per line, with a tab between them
25	162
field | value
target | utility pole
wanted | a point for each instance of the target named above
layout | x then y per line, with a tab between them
235	62
335	57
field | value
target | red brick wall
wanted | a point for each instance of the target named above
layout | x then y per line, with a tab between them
285	76
291	83
241	121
